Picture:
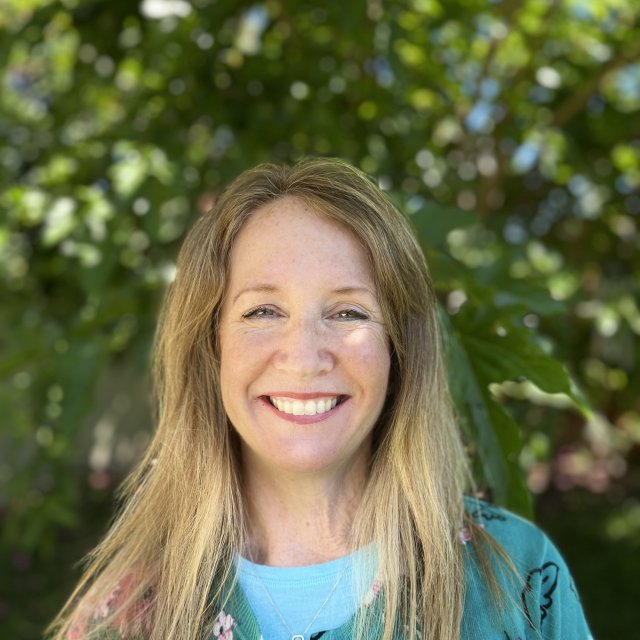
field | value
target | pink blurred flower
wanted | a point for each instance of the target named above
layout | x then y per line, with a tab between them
222	627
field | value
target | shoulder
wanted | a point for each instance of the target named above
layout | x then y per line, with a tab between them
538	583
515	534
526	545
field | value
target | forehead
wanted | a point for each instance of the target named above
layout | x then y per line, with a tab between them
290	210
287	235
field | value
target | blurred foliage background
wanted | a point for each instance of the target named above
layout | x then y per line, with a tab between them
508	130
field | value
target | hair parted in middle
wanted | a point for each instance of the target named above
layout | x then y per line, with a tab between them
183	517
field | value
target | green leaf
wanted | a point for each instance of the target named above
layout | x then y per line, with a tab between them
501	350
494	433
532	297
433	222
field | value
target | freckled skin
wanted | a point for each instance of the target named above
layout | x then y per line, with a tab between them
301	315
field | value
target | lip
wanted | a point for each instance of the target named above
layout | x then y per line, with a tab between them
264	399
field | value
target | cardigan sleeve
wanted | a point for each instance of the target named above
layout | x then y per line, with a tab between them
540	597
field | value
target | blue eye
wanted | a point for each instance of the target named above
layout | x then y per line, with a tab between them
259	312
351	314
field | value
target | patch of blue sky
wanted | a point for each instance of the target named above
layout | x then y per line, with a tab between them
525	157
480	119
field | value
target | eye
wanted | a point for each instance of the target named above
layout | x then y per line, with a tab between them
259	312
351	314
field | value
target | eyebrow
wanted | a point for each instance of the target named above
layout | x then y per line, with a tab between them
256	288
269	288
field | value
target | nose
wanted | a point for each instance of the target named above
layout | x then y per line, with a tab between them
304	350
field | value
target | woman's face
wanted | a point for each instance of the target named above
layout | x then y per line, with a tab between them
304	353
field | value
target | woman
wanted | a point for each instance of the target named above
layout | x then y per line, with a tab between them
306	478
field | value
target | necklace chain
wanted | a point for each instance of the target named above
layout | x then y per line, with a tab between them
299	636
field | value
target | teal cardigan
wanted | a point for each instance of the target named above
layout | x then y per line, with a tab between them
539	600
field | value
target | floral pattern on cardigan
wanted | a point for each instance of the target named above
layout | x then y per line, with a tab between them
130	622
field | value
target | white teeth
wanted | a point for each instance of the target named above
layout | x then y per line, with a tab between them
304	408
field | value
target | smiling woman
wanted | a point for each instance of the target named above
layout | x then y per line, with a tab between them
306	479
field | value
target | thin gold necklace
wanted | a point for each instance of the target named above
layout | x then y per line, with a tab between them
298	636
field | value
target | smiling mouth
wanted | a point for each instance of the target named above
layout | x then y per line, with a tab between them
315	407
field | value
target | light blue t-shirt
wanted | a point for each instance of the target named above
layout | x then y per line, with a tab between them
329	590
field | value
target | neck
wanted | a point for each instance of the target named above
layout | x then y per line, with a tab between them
300	519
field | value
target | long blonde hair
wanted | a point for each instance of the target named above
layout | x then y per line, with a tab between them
182	518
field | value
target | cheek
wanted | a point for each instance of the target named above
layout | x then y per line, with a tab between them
376	362
231	365
369	351
368	343
241	355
